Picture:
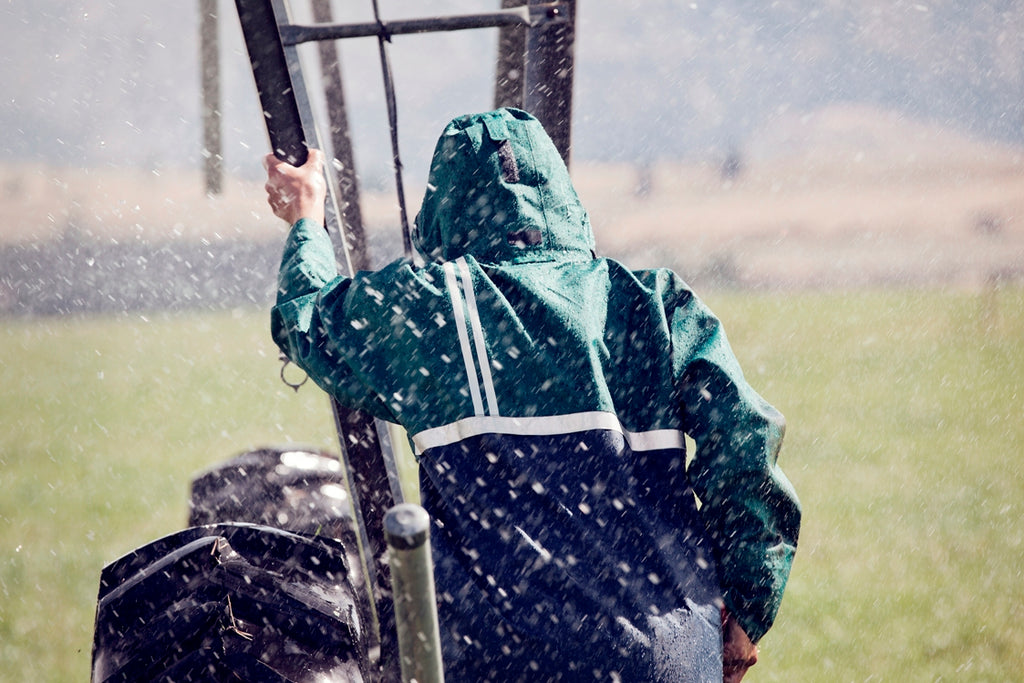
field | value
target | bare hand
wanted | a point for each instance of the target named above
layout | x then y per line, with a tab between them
738	653
296	192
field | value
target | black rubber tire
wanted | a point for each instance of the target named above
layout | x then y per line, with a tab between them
230	602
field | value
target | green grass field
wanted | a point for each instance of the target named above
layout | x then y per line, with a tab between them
906	426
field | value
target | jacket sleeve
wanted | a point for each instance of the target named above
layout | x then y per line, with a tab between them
310	303
749	508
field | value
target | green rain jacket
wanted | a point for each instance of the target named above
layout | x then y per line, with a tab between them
547	393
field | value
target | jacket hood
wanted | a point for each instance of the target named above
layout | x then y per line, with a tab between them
499	191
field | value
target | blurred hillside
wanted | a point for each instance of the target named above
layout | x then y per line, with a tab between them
865	197
113	82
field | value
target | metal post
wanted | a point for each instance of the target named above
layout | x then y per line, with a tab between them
549	74
209	59
511	72
407	529
341	142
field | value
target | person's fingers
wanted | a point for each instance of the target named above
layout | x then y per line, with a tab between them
733	672
313	165
295	192
738	652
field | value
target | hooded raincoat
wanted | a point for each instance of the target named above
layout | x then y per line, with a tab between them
547	393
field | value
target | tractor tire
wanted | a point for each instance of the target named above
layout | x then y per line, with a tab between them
231	602
295	489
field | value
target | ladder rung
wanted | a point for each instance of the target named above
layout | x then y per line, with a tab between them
527	15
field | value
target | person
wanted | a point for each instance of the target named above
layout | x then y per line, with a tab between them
547	392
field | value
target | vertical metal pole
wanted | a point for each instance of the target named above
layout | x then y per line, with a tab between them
511	72
341	142
367	480
209	59
407	528
549	76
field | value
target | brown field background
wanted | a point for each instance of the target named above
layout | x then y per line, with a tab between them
844	197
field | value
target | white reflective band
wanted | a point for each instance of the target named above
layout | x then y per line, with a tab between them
460	326
478	336
552	425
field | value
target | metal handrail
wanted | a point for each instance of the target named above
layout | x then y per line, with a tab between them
531	15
